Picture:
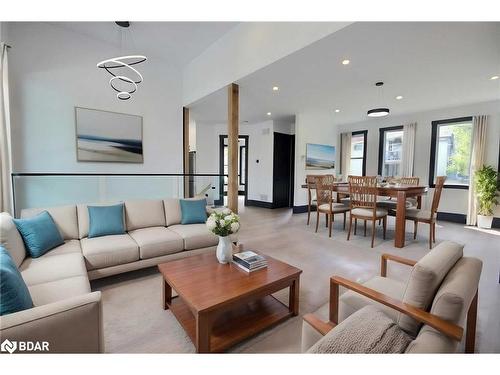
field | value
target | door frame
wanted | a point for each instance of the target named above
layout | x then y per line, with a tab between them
221	166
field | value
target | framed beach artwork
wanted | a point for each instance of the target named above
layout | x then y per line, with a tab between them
103	136
320	156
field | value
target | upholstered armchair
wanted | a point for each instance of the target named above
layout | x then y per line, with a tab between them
432	307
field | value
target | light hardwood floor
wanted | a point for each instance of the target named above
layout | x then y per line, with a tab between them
286	237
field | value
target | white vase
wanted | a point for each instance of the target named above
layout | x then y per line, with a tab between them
224	250
484	221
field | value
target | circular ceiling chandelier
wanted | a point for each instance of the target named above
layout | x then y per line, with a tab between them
125	77
378	112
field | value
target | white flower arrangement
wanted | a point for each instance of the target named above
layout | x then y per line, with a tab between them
223	223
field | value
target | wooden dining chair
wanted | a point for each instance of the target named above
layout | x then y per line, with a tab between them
390	203
426	216
311	194
363	204
326	204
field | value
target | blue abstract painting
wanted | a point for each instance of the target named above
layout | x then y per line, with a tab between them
320	156
103	136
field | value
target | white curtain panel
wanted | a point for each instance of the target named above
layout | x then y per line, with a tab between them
5	161
409	133
345	139
480	125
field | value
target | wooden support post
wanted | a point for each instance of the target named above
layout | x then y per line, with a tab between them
185	140
232	142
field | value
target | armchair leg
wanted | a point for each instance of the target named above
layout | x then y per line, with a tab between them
470	334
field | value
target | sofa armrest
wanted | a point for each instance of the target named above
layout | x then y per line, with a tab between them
73	325
394	258
447	328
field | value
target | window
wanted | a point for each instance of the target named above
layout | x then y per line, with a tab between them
451	149
390	151
358	153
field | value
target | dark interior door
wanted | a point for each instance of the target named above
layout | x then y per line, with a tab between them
283	169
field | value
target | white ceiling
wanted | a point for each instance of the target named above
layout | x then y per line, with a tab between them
175	42
432	65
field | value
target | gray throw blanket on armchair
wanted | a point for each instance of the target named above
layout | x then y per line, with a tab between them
368	330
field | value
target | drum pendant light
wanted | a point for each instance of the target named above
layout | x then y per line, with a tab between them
381	111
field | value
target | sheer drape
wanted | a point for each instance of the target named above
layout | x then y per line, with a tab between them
408	152
5	162
345	139
480	125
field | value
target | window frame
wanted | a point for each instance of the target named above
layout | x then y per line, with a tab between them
381	137
365	141
432	159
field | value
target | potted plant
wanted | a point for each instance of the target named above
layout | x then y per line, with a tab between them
223	224
486	185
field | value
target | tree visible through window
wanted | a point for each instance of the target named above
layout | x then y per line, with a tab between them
451	151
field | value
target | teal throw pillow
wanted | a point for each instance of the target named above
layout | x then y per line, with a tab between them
39	233
15	293
193	211
106	220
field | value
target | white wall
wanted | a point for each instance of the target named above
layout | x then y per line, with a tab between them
52	70
314	126
452	200
260	147
234	55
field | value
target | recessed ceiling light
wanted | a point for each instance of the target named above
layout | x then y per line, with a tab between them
345	62
494	77
337	110
275	88
269	113
399	97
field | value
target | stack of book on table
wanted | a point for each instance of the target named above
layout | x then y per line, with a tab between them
249	261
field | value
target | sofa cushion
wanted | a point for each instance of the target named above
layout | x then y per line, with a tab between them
64	216
106	220
157	241
415	213
72	246
11	239
15	295
144	214
425	278
350	301
107	251
40	233
51	268
83	217
57	290
193	211
195	236
172	207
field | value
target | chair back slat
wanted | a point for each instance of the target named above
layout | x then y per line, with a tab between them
324	187
363	191
437	193
311	186
409	181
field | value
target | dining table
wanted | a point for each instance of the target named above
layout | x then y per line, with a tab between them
398	191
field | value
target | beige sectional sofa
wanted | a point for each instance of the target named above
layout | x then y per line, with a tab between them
66	313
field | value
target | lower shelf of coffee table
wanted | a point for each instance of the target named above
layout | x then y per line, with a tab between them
233	326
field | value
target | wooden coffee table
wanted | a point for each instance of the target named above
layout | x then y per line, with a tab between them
220	305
